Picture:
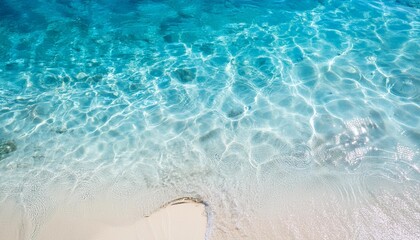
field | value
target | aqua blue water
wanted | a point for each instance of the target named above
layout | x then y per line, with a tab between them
290	119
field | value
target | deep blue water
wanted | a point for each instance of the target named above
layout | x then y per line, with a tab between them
256	107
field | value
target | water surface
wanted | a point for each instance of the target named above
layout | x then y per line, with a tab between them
290	119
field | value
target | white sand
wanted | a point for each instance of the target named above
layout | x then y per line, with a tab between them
177	222
180	220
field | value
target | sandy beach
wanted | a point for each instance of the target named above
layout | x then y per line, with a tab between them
181	219
215	120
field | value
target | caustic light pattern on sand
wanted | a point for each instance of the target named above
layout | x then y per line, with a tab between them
294	119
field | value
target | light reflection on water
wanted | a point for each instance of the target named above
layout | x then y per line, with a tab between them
292	119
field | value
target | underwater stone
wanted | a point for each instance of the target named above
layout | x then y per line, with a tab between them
61	130
185	75
6	148
410	3
10	66
235	112
207	49
171	38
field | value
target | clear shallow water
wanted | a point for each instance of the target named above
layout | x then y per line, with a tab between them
290	119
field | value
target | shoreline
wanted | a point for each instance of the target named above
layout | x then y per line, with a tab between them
181	219
306	209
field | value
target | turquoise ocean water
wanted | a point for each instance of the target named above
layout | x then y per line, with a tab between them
289	119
